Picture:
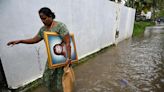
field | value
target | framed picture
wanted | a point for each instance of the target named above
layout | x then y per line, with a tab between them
56	49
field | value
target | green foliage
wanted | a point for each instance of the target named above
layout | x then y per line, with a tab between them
149	1
160	13
139	27
160	4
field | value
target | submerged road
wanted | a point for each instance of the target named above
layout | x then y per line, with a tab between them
134	65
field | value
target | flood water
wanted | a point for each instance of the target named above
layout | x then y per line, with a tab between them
134	65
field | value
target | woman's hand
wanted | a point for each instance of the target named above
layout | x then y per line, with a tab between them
13	42
68	61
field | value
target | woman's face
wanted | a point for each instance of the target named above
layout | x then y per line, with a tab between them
45	19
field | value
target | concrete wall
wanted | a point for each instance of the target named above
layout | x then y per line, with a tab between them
93	23
126	23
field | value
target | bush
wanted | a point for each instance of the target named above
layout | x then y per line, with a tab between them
139	27
160	14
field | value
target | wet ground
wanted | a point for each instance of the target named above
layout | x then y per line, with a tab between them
134	65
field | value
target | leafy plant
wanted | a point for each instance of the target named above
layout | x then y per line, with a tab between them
139	27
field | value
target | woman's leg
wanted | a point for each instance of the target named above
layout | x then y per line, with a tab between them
47	78
52	79
57	78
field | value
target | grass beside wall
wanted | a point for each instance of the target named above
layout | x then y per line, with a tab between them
139	27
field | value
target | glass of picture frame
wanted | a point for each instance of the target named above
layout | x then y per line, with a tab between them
56	50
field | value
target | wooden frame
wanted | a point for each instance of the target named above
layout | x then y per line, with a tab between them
56	50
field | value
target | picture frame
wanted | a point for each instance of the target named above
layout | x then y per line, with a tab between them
56	50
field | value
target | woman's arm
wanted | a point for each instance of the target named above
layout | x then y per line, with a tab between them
68	46
33	40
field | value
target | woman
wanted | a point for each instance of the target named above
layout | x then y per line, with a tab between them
52	78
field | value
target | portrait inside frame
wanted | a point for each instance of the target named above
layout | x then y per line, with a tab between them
56	49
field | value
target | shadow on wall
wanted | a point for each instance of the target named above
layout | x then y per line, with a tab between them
3	82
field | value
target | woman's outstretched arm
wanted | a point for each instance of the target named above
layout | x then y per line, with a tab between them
33	40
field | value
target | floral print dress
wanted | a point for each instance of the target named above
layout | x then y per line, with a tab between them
52	78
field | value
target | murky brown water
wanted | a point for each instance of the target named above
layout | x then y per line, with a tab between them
135	65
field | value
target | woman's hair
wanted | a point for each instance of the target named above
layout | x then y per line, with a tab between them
47	12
